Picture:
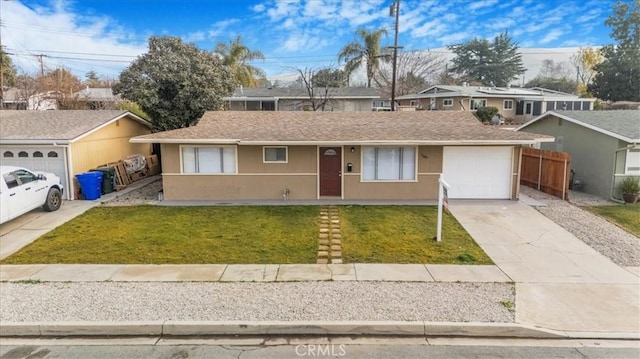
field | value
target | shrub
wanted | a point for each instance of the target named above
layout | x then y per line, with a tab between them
630	185
486	113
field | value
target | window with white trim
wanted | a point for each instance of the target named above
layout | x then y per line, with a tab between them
632	163
275	154
208	159
475	104
507	104
447	102
389	164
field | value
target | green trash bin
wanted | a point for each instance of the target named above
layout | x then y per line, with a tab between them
108	178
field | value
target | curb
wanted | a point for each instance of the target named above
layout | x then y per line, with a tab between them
296	328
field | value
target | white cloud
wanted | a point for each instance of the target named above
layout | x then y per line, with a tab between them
551	36
481	4
78	42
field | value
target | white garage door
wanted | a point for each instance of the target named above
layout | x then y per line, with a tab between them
478	172
48	159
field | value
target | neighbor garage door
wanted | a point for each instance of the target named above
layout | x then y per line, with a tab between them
478	171
48	159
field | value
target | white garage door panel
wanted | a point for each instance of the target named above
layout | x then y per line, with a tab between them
478	172
46	163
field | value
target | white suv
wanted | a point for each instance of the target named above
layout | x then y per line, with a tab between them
22	190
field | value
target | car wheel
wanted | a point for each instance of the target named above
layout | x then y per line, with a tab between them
54	200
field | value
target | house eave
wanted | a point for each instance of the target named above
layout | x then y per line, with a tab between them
343	143
33	142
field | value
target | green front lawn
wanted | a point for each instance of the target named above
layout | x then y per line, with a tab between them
626	216
186	235
404	234
249	234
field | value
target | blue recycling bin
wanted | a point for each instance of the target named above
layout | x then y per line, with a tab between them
90	184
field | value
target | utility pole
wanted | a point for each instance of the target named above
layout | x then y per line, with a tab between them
394	10
41	63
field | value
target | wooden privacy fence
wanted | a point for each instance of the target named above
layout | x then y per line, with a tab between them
546	171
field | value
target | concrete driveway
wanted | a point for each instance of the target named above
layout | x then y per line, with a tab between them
561	282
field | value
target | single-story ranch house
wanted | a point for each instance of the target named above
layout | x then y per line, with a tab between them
340	155
604	145
69	142
517	105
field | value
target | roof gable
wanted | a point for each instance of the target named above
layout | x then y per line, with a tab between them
621	124
307	127
58	125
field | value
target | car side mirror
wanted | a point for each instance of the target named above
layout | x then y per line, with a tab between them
41	178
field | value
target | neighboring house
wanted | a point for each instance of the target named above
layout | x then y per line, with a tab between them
98	98
518	105
234	155
604	145
12	100
44	101
299	99
69	142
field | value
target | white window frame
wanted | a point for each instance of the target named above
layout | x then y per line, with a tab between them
504	104
235	155
415	165
444	102
632	160
264	154
473	101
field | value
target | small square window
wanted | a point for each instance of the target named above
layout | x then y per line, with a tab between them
447	102
508	105
275	154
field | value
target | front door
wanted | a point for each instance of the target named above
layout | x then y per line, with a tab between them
330	171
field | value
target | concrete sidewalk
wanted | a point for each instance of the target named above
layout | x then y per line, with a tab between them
561	282
253	273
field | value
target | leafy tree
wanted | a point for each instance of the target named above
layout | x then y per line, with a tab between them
585	62
554	76
618	77
329	77
236	55
175	83
134	108
9	72
494	63
365	50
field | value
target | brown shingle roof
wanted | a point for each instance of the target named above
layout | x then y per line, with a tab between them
334	127
53	125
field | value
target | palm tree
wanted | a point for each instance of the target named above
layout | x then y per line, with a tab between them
365	49
236	55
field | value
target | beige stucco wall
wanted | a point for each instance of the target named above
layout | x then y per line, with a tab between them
260	181
238	187
429	167
109	144
491	102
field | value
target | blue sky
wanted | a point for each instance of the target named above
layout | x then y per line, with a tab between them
105	35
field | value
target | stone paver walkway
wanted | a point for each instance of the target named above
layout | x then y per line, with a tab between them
330	238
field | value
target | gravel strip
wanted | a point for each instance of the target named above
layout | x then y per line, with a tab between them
144	195
622	247
118	301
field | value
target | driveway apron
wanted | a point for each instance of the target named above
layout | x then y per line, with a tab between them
561	282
